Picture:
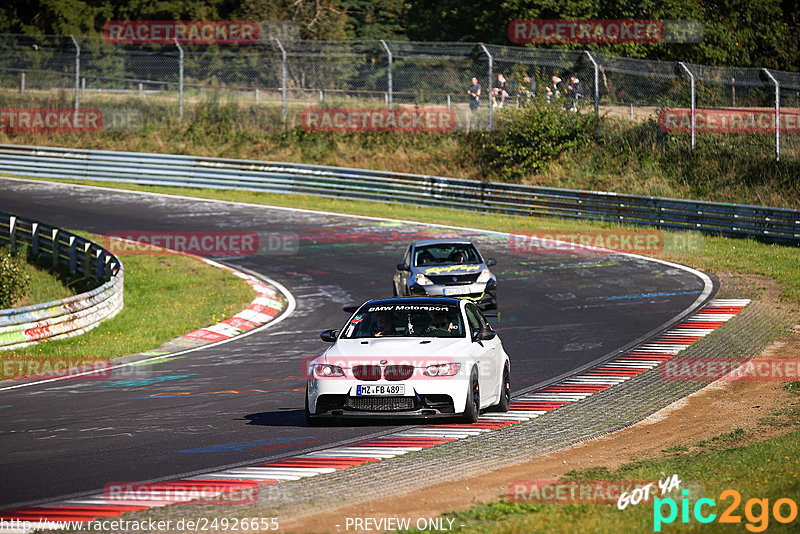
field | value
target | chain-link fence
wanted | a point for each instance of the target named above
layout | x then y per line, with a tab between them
269	85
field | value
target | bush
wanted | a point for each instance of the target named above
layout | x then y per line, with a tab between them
525	140
14	281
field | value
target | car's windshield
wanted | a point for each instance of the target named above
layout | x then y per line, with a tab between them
445	254
406	320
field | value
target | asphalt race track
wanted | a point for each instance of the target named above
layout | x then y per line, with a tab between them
242	401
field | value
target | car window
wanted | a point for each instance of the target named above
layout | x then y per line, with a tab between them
407	256
405	320
473	319
446	254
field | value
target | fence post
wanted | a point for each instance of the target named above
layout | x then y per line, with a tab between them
22	83
283	80
777	114
12	233
489	88
180	80
389	73
77	71
691	78
596	87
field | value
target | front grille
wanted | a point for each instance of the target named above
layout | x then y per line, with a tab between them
368	373
398	372
380	404
447	279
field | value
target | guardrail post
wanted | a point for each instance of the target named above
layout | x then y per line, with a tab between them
86	259
77	71
777	114
691	78
35	239
12	233
54	246
73	255
180	80
99	261
283	80
596	87
389	73
489	88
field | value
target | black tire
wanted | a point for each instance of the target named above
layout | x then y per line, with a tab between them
505	391
312	420
472	409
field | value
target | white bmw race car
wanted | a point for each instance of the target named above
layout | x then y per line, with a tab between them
410	357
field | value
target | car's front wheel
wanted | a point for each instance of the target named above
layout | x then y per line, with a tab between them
473	405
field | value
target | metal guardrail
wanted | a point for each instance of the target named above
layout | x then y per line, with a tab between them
69	316
732	220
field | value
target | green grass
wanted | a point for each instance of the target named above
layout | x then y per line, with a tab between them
763	470
44	287
165	296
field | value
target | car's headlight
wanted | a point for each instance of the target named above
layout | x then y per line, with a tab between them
442	369
323	370
423	280
485	276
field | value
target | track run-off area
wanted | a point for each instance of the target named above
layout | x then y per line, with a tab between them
241	402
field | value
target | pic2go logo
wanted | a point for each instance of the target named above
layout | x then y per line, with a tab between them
758	521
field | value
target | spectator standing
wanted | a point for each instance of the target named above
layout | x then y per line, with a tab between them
559	87
576	92
500	88
474	93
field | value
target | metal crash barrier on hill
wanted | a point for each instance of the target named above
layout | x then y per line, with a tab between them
732	220
69	316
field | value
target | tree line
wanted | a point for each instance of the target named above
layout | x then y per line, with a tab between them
752	33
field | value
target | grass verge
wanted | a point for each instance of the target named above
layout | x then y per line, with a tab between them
44	286
166	295
759	470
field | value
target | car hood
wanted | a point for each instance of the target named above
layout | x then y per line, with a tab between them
419	352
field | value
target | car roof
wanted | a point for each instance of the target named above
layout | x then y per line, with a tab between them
442	241
415	301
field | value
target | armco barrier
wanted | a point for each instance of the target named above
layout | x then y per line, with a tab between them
733	220
70	316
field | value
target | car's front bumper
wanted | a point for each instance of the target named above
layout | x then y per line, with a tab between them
423	397
482	294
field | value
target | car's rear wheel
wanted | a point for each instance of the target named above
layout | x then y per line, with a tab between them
473	405
312	420
505	391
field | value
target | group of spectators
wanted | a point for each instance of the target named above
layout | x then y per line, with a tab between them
569	92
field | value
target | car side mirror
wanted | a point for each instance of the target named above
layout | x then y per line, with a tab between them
329	336
485	334
402	267
490	262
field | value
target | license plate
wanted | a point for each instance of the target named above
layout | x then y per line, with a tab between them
381	389
462	290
